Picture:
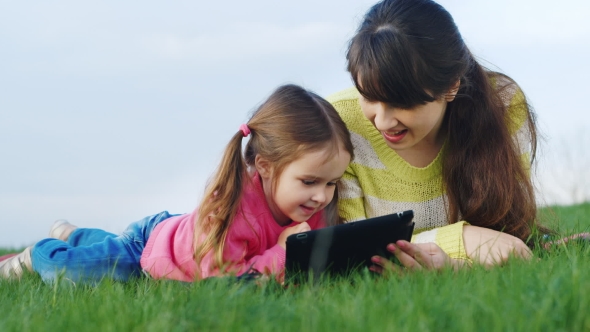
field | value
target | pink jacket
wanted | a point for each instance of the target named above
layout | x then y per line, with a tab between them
251	242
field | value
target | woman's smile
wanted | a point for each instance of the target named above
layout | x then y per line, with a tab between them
394	136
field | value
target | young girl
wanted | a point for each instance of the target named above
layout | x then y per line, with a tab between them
437	133
282	183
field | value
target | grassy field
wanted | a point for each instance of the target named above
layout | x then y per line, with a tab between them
550	293
567	219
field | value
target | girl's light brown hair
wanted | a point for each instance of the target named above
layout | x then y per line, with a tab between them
291	122
410	52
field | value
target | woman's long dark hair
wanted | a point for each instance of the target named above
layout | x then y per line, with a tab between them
410	52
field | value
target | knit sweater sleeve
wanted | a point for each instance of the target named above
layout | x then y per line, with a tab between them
449	238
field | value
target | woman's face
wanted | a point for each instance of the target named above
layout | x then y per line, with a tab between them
416	129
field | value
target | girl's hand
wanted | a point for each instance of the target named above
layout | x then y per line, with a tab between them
413	256
300	227
490	247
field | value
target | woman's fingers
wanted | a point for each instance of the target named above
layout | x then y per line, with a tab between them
421	255
384	266
412	256
407	255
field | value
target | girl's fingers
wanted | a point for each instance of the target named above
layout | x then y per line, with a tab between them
302	227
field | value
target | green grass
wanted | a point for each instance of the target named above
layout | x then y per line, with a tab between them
550	293
567	219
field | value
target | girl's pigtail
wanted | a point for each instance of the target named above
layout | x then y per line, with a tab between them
220	202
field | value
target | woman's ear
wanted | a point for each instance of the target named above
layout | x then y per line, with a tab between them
263	167
450	96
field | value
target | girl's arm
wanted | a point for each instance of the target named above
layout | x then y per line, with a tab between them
240	247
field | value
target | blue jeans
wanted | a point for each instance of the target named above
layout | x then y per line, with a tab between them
91	254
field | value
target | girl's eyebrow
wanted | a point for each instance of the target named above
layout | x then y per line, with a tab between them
311	176
315	177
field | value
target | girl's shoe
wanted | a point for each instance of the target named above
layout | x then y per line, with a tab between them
14	267
7	256
61	230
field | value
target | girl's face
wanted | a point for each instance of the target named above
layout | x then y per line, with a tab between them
305	186
407	130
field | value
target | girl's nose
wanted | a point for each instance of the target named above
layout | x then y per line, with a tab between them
320	196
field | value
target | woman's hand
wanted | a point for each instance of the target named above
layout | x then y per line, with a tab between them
412	256
490	247
482	245
301	227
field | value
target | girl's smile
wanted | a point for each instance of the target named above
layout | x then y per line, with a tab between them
308	210
305	186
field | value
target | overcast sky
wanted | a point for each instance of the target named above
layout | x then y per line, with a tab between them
114	110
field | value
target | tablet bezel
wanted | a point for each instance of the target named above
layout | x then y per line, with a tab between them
342	249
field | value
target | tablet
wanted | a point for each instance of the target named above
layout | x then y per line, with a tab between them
342	249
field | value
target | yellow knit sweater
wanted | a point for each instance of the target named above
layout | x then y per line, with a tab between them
378	181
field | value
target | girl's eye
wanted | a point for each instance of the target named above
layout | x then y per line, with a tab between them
308	182
332	183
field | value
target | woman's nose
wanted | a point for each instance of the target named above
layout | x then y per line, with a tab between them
384	117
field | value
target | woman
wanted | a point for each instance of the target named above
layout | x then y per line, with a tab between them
437	133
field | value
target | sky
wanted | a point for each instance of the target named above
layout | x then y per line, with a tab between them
111	111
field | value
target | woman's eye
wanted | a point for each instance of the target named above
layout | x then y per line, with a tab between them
367	100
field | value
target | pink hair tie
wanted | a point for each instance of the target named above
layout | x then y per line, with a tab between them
245	130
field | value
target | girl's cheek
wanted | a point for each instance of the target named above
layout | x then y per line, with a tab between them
330	197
